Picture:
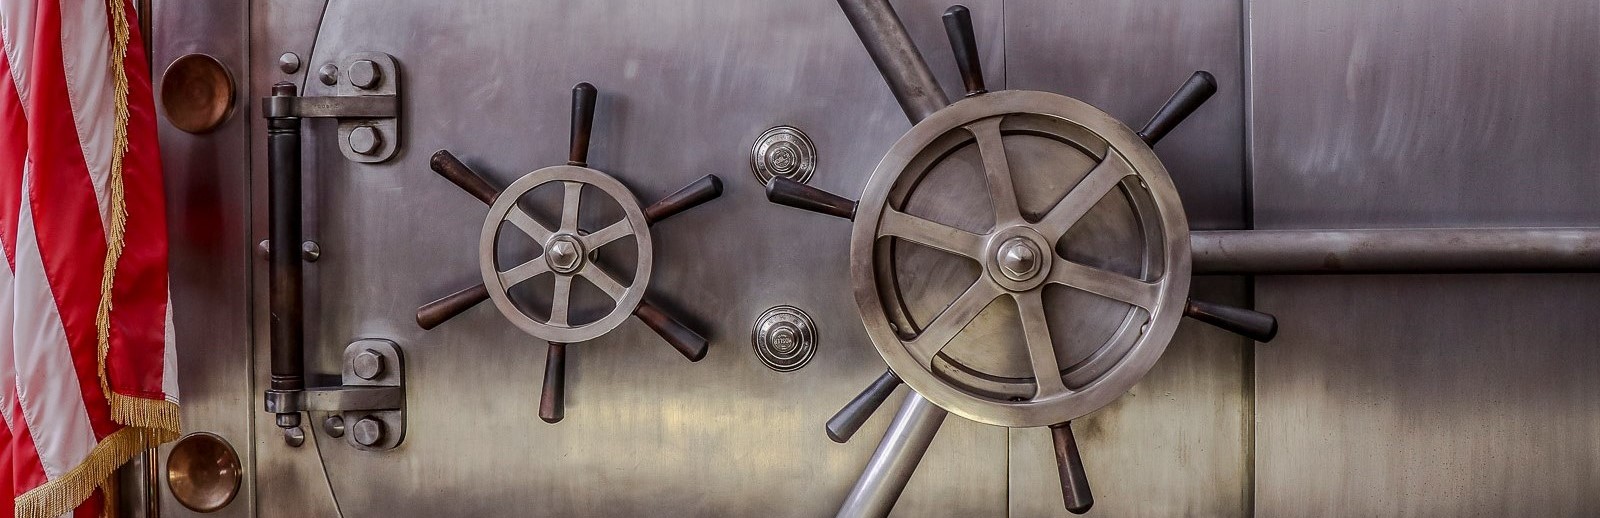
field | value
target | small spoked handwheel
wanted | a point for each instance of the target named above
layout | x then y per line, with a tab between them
566	253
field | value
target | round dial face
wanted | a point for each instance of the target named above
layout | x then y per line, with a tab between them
1020	258
573	292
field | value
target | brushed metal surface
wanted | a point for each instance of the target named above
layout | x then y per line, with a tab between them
1177	443
688	87
208	221
1426	395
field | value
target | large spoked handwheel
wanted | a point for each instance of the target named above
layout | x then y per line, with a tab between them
1017	258
566	254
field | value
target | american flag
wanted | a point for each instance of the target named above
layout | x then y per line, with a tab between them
87	377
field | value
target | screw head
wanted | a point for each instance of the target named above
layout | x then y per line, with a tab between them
289	62
294	437
365	74
365	140
333	426
367	365
328	74
310	251
368	431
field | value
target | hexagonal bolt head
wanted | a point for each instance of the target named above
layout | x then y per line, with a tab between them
368	431
365	140
365	74
367	365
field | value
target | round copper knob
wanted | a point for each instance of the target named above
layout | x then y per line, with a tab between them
203	472
197	93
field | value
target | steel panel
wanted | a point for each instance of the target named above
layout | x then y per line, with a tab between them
1176	444
1426	395
685	88
208	213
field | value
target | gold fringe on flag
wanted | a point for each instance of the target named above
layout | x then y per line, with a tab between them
148	422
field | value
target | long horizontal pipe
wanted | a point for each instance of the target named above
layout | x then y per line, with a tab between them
1437	250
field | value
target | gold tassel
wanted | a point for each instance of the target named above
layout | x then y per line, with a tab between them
148	422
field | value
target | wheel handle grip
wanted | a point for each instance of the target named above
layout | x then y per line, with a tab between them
1248	323
844	424
958	26
432	314
685	340
1185	101
707	188
583	96
784	191
1074	482
464	177
552	400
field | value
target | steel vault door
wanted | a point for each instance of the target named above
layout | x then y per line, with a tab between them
685	88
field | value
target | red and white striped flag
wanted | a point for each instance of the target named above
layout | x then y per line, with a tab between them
87	376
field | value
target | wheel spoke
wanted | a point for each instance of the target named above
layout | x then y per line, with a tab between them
604	281
937	235
1041	350
569	207
996	169
560	299
599	238
523	272
534	229
1104	283
1100	181
952	320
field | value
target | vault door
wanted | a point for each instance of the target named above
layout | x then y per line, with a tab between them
684	89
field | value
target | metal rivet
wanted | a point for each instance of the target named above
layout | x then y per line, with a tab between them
367	365
289	62
333	426
783	151
328	74
310	251
365	140
264	249
784	338
294	437
368	431
365	74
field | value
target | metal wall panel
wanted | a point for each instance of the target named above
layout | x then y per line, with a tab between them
685	88
1175	445
1426	395
208	212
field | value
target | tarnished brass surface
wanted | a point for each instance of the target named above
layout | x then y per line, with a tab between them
197	93
203	472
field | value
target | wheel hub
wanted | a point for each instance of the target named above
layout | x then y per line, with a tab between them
1018	258
564	254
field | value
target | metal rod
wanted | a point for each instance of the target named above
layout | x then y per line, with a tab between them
844	424
287	328
897	58
903	445
1438	250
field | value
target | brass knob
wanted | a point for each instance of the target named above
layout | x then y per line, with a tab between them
203	472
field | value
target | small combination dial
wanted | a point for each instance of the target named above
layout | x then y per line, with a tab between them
1019	258
559	280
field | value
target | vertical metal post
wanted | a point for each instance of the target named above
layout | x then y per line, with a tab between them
284	229
897	58
903	445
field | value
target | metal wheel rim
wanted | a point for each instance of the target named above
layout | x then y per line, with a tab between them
633	224
1165	308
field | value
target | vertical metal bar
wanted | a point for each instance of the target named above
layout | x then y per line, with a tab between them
897	58
285	276
903	445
